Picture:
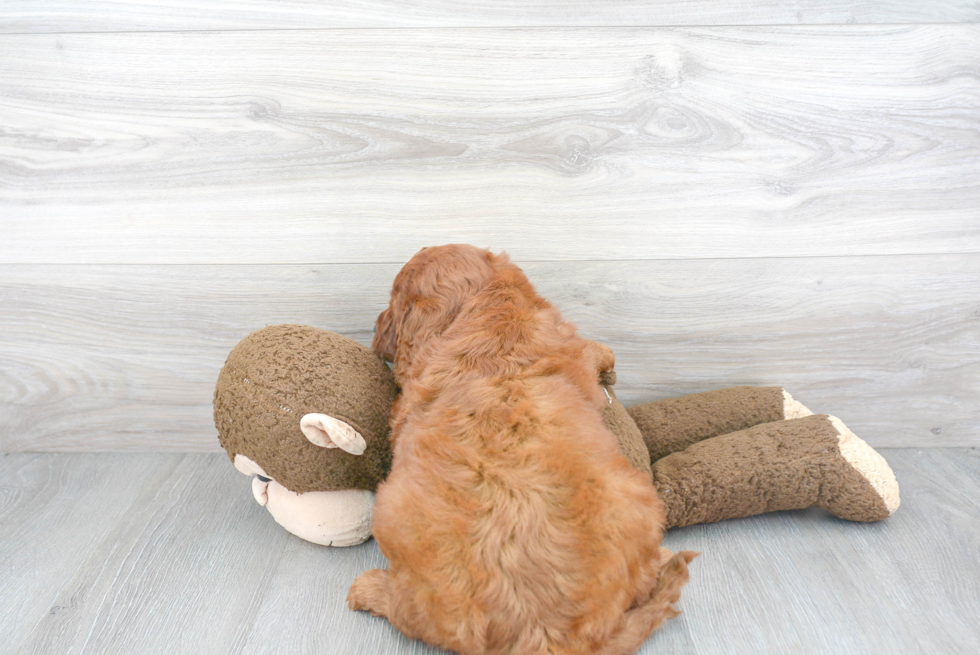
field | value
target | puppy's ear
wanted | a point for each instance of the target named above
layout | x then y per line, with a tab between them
384	342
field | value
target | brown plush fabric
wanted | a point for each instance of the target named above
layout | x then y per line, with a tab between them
791	464
671	425
630	440
275	376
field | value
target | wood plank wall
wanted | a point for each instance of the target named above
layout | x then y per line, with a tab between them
724	192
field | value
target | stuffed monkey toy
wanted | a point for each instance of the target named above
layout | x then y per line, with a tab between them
305	411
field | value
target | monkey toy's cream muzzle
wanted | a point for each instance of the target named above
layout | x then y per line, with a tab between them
329	518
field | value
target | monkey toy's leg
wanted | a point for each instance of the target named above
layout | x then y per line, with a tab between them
747	450
807	462
671	425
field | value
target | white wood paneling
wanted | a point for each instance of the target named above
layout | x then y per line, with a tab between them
177	557
125	357
31	16
364	145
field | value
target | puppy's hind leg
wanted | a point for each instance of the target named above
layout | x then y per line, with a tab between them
371	591
639	622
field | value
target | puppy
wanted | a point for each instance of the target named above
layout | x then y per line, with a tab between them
510	520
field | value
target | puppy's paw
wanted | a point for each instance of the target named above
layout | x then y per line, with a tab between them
602	358
673	575
370	592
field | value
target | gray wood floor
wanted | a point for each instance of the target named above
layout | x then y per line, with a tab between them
126	553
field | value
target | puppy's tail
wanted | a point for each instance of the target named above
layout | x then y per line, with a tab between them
640	622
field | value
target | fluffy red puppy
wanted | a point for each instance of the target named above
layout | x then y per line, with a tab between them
510	520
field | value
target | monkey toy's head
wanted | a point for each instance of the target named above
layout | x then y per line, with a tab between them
304	412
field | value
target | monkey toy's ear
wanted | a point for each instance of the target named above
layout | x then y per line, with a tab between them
329	432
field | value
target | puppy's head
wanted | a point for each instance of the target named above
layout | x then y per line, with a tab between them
427	295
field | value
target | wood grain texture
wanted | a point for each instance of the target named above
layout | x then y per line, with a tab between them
44	538
189	563
124	358
183	569
32	16
806	582
364	145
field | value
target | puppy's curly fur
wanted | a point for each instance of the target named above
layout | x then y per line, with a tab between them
511	522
